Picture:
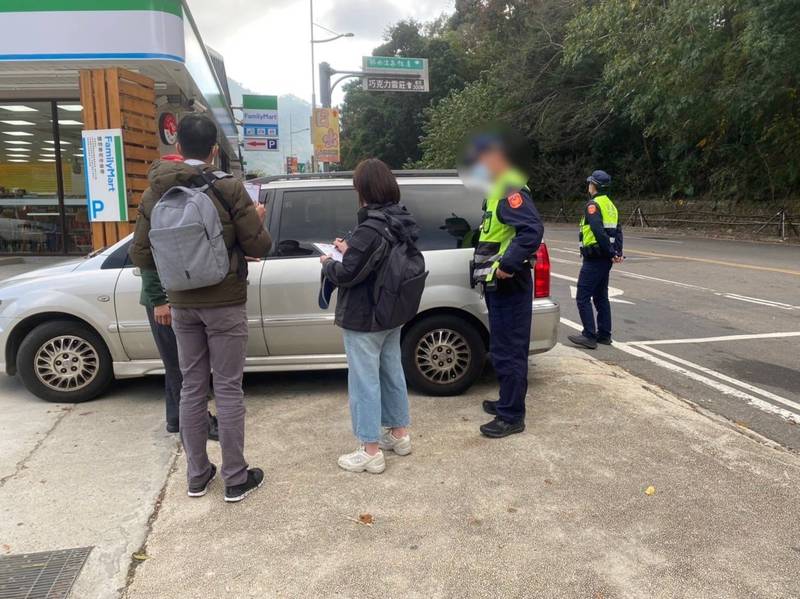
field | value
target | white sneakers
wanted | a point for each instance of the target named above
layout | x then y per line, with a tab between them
389	442
360	460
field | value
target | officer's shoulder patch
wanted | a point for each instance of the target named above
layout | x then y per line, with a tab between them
515	200
591	208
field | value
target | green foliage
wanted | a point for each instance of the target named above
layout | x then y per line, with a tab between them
386	124
675	97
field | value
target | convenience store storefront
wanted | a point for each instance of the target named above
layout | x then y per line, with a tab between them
67	65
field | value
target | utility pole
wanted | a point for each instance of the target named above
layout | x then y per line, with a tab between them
313	81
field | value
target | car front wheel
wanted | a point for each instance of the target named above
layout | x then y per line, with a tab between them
443	355
64	361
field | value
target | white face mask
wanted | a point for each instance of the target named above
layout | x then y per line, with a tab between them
478	178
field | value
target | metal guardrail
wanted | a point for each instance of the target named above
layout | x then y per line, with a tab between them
783	222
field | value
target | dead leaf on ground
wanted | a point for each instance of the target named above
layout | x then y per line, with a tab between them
366	519
651	490
6	548
512	510
140	557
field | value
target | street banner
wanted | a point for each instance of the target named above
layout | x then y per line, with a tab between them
104	168
395	74
260	122
325	134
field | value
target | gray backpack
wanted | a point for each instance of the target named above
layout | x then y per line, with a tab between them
186	237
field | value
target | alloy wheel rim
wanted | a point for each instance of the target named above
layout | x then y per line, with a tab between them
443	356
66	363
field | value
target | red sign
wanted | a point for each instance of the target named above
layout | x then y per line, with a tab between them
168	128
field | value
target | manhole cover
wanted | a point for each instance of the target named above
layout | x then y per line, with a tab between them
44	575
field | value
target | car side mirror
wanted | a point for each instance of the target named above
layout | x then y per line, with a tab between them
137	272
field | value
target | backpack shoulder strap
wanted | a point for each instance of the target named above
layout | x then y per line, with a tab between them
378	222
205	181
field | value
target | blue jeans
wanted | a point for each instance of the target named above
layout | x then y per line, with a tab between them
593	288
376	382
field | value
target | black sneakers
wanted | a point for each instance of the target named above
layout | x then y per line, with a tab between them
255	478
604	340
490	407
202	489
497	428
582	341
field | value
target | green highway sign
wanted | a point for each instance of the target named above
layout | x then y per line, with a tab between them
390	63
395	74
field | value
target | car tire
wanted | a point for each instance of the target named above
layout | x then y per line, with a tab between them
443	355
64	361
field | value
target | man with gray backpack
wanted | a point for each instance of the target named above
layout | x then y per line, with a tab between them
195	227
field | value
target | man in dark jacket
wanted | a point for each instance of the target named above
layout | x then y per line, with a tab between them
210	323
155	302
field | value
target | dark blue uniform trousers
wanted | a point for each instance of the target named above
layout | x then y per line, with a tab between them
510	319
593	287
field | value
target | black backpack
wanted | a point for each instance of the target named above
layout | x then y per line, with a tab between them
400	276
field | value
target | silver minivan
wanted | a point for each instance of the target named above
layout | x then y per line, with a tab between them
68	331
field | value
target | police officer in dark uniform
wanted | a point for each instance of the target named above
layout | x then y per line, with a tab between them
509	237
601	246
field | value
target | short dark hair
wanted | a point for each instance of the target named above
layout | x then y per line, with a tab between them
375	183
197	135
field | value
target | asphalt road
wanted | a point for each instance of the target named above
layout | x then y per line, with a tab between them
713	321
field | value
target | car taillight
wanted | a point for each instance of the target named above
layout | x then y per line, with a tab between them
541	273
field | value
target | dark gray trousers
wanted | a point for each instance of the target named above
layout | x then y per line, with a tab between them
212	339
168	350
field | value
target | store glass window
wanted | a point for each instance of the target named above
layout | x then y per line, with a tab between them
77	228
30	216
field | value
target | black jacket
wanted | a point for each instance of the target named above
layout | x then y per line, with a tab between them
355	276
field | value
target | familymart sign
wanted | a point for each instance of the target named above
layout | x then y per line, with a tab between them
91	30
104	163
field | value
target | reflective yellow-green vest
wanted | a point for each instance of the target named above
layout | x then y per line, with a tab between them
495	235
610	217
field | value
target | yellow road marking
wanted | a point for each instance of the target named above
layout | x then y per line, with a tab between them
719	262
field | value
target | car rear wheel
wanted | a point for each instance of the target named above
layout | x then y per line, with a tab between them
443	355
64	361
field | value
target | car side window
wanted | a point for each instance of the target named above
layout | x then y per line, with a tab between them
118	258
314	215
449	216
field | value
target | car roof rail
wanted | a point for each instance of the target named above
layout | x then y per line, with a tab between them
349	175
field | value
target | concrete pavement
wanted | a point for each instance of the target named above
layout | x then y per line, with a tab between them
82	475
559	511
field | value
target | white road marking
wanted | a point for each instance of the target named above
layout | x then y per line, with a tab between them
733	296
756	402
613	292
721	338
562	250
635	275
757	300
724	377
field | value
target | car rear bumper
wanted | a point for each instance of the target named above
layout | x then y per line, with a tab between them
544	332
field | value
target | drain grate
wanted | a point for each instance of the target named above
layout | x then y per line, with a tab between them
44	575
